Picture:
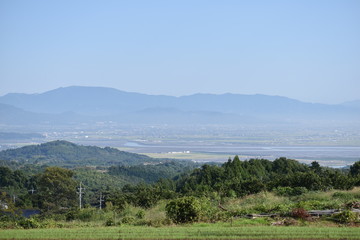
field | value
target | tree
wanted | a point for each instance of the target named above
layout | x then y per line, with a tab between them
315	166
355	169
57	189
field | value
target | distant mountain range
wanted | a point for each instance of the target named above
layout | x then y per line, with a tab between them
78	104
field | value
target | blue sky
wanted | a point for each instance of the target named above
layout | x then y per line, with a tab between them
307	50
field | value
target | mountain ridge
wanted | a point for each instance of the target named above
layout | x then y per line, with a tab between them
101	103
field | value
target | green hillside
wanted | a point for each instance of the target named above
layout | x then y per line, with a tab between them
67	154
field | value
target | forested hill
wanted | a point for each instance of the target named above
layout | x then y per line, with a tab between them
67	154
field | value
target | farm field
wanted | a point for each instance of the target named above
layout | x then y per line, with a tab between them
196	231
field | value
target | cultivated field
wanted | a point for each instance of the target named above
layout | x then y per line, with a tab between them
197	231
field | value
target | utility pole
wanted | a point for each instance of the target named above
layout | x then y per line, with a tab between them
80	194
101	200
32	190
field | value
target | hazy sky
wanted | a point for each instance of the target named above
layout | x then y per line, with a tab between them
307	50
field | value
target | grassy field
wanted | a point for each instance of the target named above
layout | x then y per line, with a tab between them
196	231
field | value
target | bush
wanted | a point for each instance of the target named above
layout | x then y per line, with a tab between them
140	214
184	210
128	220
346	217
289	191
210	211
87	214
110	222
300	213
28	223
72	215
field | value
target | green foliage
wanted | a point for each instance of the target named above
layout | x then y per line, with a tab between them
355	169
128	220
240	178
140	214
316	204
110	222
184	210
57	189
315	166
346	196
28	223
286	166
295	185
67	154
347	216
210	211
151	173
98	178
72	214
195	231
289	191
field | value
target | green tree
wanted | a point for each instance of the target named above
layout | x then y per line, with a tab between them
355	169
315	166
57	189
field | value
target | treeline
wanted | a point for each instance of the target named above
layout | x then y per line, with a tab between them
50	190
150	173
238	178
55	189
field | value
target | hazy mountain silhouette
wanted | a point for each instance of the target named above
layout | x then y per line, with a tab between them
13	115
99	103
352	104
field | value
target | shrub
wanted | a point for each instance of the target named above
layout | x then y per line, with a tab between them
72	215
140	214
128	220
28	223
86	214
282	209
184	210
300	213
299	191
346	217
110	222
211	212
289	191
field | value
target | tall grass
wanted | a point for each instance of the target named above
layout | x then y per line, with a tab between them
269	202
